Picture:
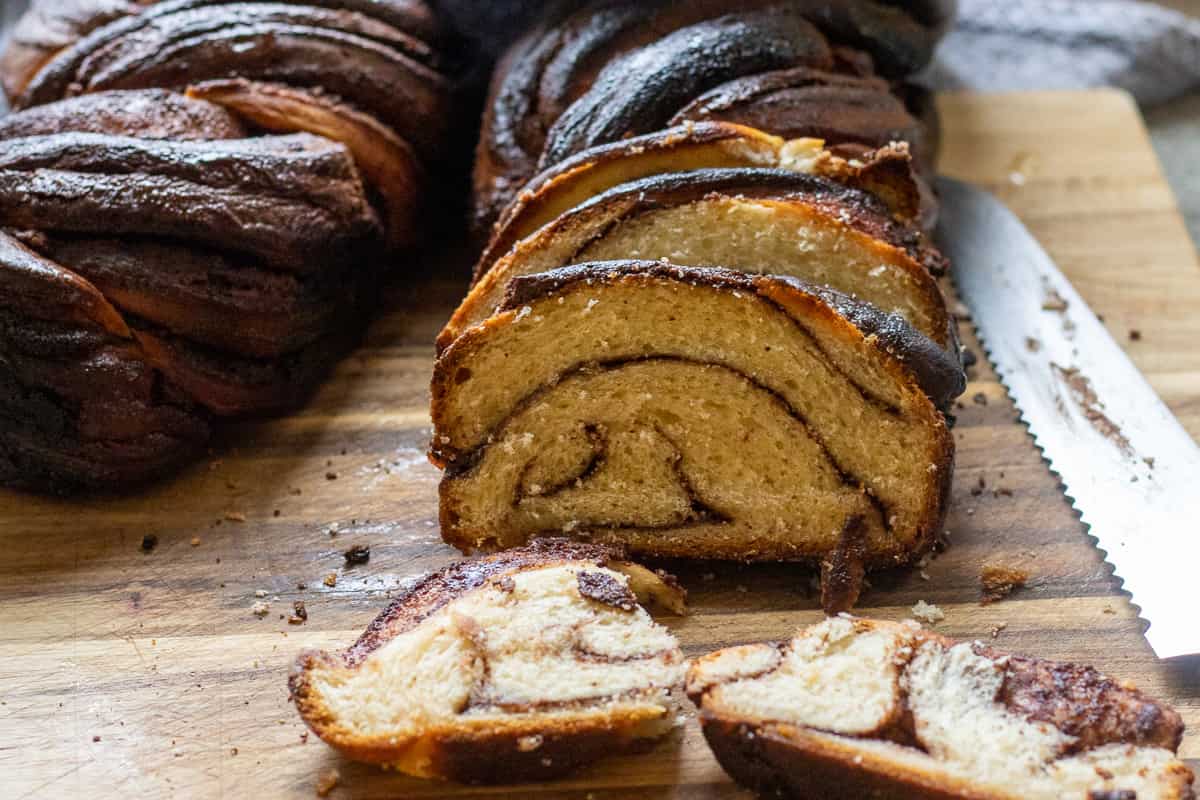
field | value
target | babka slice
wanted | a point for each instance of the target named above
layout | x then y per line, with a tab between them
772	221
853	708
691	146
519	666
703	413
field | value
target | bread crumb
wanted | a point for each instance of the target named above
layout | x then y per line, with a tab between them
195	541
330	579
997	582
235	516
356	555
527	744
927	613
300	615
997	628
327	781
1054	301
260	609
260	592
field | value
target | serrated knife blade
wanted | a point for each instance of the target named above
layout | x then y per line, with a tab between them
1130	468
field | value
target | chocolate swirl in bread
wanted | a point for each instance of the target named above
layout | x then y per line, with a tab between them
704	413
854	708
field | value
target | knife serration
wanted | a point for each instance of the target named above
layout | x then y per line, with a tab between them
1128	466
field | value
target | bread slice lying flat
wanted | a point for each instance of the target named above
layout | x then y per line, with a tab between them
519	666
687	147
766	221
856	708
701	413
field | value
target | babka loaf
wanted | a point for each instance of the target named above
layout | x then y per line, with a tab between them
221	184
707	321
704	413
519	666
597	73
853	708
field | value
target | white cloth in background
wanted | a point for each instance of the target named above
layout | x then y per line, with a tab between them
1151	51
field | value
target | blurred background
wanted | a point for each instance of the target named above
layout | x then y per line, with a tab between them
1151	49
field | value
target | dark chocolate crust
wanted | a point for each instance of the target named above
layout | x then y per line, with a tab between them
938	375
230	266
594	74
144	114
368	63
637	93
804	102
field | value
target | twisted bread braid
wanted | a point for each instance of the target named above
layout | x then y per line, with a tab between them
196	198
610	70
615	373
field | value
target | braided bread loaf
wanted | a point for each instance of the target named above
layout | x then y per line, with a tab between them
196	199
615	373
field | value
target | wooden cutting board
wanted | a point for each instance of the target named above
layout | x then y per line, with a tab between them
131	674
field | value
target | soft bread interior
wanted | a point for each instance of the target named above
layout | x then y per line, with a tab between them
777	237
521	652
677	150
716	417
835	678
781	237
920	710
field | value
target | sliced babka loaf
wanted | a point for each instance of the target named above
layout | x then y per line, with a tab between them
704	413
853	708
519	666
771	221
599	72
885	172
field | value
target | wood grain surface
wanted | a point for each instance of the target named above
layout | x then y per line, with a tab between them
133	674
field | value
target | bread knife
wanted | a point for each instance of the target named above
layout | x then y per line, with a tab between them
1127	465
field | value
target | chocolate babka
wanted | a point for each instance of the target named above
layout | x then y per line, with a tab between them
221	185
520	666
853	708
597	73
707	322
704	413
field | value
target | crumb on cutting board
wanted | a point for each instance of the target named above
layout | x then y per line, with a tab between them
927	613
327	781
998	581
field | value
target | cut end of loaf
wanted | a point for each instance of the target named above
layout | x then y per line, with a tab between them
691	412
524	665
853	707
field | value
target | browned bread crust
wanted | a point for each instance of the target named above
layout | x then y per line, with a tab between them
640	318
779	754
508	742
238	233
